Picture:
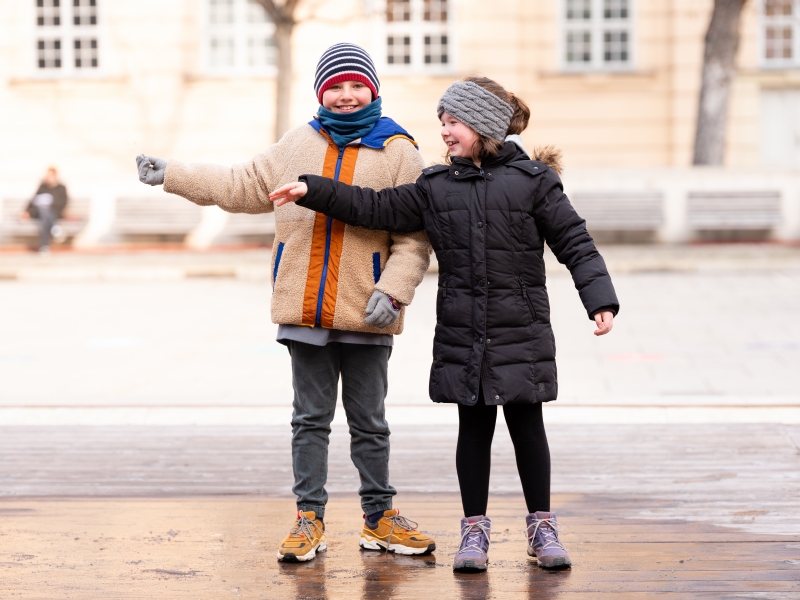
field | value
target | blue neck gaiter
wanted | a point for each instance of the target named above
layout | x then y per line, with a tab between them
346	127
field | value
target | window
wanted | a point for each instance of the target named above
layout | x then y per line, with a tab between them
780	33
398	50
598	35
66	37
239	38
418	34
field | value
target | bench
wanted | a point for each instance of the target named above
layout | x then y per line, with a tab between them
620	211
155	217
611	212
734	210
13	229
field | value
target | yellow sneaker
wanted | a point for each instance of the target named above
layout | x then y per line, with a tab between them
306	538
396	534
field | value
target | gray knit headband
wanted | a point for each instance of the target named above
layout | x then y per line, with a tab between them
477	108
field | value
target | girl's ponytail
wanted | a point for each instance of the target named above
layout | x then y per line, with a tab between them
521	116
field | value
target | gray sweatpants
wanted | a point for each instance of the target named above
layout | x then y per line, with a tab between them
315	378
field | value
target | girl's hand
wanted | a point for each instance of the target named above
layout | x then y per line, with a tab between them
291	192
605	321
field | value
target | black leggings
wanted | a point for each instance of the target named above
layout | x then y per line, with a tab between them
474	454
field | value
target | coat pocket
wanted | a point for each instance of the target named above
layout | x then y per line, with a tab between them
527	298
441	297
278	256
376	266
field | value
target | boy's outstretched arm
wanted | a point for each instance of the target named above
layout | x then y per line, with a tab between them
242	188
397	209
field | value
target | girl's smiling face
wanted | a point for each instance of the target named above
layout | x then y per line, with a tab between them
346	97
459	138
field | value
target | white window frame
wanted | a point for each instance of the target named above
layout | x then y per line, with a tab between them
597	25
763	22
241	32
67	32
417	28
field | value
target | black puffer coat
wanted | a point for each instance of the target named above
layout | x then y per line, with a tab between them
488	227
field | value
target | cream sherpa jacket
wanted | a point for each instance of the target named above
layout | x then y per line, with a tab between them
324	271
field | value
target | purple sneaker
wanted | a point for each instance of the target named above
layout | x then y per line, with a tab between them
543	541
472	554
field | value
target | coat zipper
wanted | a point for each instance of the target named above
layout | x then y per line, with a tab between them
482	364
328	227
527	299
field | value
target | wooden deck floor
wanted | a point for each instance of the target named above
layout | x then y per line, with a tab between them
675	511
216	548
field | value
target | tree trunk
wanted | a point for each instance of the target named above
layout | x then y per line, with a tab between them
282	14
283	82
722	42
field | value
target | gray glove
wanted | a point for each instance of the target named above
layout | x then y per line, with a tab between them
151	169
380	310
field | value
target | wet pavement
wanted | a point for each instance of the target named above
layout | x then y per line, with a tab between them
141	454
225	548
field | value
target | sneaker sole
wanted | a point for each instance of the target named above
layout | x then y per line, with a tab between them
556	563
469	566
289	557
396	548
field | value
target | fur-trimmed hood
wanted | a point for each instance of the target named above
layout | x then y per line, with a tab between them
549	155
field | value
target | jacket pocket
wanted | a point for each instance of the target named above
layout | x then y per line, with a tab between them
278	256
527	298
376	266
441	297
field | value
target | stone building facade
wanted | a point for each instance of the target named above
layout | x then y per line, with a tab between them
88	84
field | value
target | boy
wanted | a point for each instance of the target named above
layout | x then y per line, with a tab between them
326	277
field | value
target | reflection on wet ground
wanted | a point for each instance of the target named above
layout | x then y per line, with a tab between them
226	547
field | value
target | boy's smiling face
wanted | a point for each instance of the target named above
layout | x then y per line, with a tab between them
459	138
346	97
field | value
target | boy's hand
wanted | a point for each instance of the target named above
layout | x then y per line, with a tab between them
291	192
605	321
151	169
381	310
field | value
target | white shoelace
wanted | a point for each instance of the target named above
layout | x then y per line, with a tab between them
473	537
402	523
549	533
304	525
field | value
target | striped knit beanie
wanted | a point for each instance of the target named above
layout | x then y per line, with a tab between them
345	62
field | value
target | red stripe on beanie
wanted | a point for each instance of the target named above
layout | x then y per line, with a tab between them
347	76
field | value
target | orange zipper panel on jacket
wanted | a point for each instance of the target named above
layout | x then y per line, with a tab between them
315	264
346	171
316	260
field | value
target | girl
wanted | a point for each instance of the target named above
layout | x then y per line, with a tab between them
488	214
